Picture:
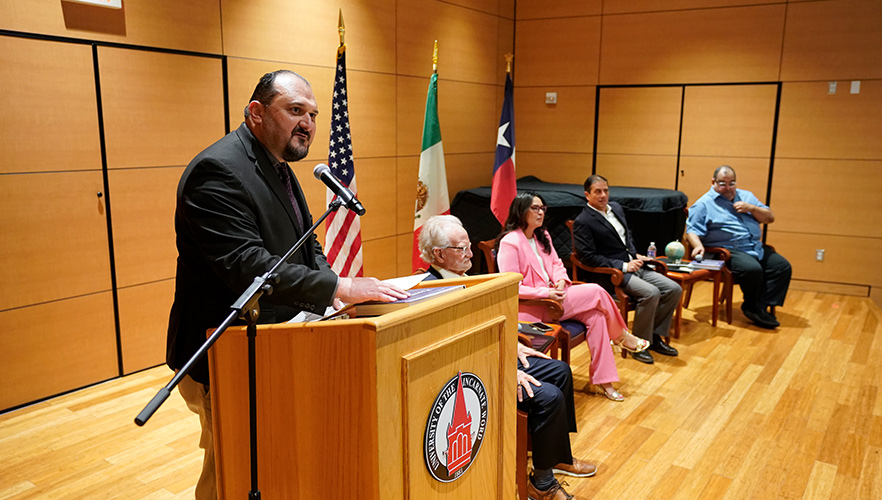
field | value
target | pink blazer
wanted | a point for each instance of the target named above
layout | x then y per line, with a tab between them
515	255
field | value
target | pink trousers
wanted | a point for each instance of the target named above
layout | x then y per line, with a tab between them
590	304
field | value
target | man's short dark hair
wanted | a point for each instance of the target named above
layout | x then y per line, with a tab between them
722	168
592	179
266	90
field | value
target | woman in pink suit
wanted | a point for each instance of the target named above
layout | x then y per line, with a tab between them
525	247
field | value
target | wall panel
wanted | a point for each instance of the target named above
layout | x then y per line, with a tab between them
652	171
371	114
50	348
560	51
729	120
467	49
404	246
815	124
841	254
538	9
739	44
567	126
143	205
633	6
192	25
55	233
381	257
159	109
697	172
639	120
407	172
63	109
375	178
833	197
305	32
829	40
411	113
569	168
143	323
466	171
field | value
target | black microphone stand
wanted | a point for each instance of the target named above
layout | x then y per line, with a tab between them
247	308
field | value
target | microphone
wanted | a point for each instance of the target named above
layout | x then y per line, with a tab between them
323	173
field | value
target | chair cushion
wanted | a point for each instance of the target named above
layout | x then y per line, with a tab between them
573	327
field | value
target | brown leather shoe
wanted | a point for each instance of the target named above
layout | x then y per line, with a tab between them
578	469
556	492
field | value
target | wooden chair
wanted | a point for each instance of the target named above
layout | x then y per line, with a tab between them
544	344
616	276
720	253
572	331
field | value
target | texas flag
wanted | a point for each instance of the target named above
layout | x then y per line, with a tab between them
504	185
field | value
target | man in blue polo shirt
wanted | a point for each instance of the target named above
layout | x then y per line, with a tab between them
730	218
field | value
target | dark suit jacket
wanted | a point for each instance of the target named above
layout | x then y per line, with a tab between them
233	221
433	274
598	244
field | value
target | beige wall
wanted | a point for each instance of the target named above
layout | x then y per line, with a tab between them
698	55
57	328
160	108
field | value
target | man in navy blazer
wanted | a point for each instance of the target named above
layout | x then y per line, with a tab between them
602	239
239	209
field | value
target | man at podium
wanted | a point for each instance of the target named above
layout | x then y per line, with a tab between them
545	385
239	208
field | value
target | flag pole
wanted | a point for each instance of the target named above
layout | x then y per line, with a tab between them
508	59
435	59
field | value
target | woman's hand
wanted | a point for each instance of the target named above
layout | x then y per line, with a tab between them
557	295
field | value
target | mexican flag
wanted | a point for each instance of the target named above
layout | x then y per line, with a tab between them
432	198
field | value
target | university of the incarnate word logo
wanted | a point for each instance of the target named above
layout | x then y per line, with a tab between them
456	427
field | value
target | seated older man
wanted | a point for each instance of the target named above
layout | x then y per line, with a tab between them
545	385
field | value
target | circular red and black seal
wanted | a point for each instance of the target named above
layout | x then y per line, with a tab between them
456	427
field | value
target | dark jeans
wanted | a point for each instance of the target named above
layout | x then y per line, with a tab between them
764	282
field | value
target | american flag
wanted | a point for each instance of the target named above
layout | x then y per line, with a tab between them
343	229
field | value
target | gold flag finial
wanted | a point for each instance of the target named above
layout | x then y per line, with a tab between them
508	59
435	58
341	29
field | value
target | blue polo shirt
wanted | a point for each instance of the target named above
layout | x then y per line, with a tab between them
714	219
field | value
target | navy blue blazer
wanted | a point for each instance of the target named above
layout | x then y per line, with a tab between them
598	244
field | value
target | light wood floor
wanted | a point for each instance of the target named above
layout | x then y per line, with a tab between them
742	413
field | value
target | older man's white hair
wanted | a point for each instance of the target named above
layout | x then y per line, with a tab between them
434	235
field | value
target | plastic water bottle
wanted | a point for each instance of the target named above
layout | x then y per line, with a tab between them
650	252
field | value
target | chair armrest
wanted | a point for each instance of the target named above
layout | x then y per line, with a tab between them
523	339
555	310
616	276
724	253
660	266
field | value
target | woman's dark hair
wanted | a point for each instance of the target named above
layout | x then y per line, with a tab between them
517	219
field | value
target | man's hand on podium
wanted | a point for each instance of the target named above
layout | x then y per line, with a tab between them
355	290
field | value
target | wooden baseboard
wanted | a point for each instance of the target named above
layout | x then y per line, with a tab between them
837	288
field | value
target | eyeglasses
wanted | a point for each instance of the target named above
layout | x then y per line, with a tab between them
539	208
723	184
461	249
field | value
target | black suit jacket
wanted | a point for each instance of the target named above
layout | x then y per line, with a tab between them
598	244
233	221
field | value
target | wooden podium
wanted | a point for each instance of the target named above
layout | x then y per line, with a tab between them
343	405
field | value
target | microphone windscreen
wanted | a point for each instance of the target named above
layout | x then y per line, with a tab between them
320	169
